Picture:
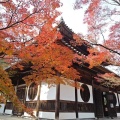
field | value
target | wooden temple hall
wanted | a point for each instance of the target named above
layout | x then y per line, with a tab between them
66	102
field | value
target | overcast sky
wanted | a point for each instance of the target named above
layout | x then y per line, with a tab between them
73	18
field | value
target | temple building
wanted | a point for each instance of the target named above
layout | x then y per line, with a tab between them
64	101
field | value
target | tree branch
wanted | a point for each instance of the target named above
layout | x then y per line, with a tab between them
20	21
113	51
4	1
118	2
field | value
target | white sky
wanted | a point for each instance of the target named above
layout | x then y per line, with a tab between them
73	18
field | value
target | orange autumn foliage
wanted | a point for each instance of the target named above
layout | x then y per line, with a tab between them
103	28
27	36
7	92
111	77
96	58
103	22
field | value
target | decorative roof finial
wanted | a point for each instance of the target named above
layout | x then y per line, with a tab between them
61	20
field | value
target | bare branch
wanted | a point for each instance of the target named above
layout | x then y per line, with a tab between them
20	21
12	25
13	14
4	1
117	3
113	51
102	35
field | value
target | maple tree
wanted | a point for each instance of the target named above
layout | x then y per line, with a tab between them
102	19
28	37
100	16
108	79
8	92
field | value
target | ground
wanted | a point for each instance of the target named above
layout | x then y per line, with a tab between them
9	117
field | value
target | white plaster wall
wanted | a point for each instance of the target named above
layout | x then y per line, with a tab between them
47	93
79	96
116	99
8	111
47	115
91	94
119	97
118	114
67	92
86	115
2	106
28	115
70	115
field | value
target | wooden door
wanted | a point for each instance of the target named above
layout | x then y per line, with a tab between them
97	96
105	104
21	96
111	98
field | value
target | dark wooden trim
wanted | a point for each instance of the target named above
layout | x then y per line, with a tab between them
31	101
67	106
38	101
16	93
117	109
20	92
57	102
9	106
101	88
76	102
31	104
92	78
5	107
25	94
64	106
97	97
85	107
70	106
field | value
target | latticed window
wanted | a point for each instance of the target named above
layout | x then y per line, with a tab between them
31	105
32	92
21	93
85	93
9	105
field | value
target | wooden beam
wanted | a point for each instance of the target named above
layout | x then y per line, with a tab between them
92	78
57	103
16	93
76	102
38	101
4	107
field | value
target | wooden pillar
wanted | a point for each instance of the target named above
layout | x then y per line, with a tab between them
38	102
13	107
76	101
92	78
57	102
4	107
26	88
